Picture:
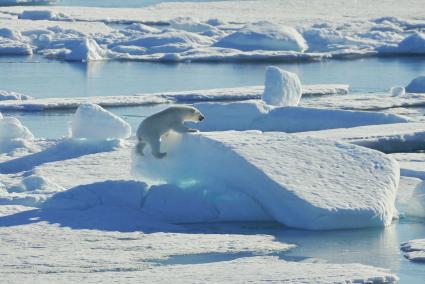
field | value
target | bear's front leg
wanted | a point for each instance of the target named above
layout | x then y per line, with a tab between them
181	128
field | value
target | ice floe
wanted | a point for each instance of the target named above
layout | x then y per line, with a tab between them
415	250
256	115
285	175
222	94
94	122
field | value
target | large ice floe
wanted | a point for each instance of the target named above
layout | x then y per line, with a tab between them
181	37
415	250
305	183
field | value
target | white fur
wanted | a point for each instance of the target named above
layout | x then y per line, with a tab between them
154	127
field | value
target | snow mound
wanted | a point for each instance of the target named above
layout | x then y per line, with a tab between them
5	95
282	88
255	115
13	134
397	91
415	250
264	35
91	121
190	25
417	85
306	183
111	193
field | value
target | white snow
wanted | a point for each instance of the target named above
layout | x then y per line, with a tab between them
415	250
264	36
255	115
94	122
300	182
281	88
222	94
397	91
417	85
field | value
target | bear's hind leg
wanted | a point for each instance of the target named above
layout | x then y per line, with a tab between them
155	146
139	147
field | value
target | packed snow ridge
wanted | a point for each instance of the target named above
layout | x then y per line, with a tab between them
57	33
300	182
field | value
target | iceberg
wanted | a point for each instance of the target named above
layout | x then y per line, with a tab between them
417	85
306	183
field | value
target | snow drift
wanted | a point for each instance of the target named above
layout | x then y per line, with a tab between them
306	183
13	134
94	122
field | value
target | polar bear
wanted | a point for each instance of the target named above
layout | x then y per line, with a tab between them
154	127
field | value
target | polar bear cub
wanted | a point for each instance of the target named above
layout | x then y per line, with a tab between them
154	127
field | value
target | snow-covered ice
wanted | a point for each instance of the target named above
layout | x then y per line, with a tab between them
281	88
388	138
286	175
415	250
94	122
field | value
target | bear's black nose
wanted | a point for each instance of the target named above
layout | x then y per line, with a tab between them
201	117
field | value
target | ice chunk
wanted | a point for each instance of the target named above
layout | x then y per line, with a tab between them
306	183
255	115
5	95
264	36
416	205
417	85
13	47
91	121
414	43
142	28
38	15
282	88
415	250
85	49
397	91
